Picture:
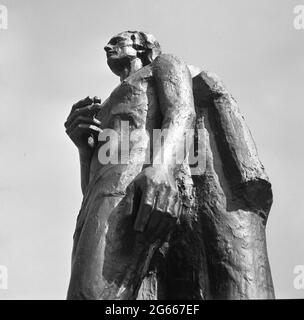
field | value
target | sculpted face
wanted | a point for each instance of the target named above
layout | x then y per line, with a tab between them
120	51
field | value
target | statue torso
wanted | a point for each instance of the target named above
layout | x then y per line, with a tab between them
133	104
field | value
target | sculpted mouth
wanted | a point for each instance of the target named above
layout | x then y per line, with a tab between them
111	53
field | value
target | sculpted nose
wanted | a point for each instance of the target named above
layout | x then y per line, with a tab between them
107	48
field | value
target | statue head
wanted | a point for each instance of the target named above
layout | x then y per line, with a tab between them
129	45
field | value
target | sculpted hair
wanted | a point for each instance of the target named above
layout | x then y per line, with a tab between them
147	46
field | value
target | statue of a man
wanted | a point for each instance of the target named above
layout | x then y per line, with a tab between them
147	228
155	93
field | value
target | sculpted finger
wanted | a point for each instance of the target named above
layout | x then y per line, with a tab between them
96	99
83	102
173	204
144	211
178	209
69	124
162	199
128	200
90	126
79	120
185	211
88	110
92	107
83	128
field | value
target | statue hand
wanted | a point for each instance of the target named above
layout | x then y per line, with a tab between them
156	202
81	123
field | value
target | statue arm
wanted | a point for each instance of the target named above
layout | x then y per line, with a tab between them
175	95
237	150
158	192
81	124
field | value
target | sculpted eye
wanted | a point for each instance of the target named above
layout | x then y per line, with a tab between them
116	40
138	47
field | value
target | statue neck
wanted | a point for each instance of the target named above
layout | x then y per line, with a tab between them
134	66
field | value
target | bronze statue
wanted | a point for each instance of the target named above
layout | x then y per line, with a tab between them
148	228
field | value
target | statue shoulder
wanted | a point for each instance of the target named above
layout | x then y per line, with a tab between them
168	64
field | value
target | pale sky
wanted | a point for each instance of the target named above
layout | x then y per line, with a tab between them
52	55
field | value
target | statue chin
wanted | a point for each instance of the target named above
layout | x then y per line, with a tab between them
118	64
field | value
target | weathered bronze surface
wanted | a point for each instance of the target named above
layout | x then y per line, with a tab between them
154	231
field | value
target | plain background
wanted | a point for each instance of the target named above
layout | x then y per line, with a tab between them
52	55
